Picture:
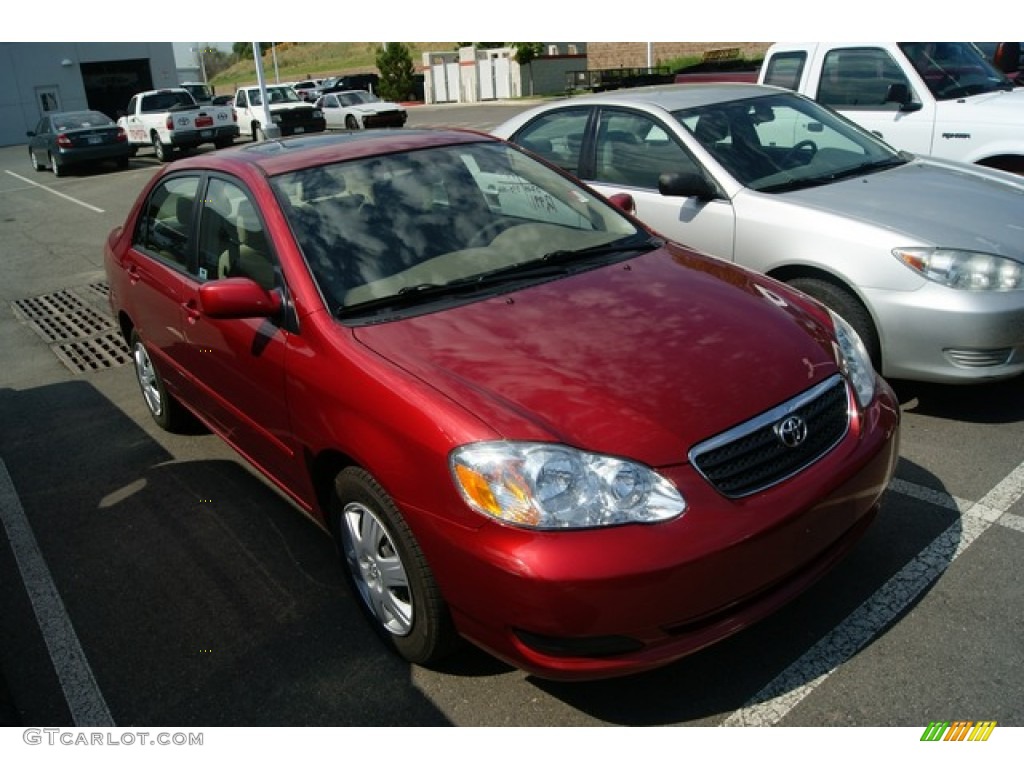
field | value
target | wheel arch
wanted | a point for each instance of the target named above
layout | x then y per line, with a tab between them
1005	162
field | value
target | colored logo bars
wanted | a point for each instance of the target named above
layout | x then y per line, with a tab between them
959	730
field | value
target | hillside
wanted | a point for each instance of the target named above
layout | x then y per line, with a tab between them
296	61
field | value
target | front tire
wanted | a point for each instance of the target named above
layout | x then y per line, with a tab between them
165	410
387	571
257	133
351	123
845	304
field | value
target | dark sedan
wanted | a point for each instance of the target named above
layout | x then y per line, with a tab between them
64	139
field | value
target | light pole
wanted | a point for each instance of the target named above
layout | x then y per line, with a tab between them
202	61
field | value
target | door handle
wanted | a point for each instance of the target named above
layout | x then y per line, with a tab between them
192	313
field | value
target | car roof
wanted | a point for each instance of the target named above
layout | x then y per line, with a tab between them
673	97
294	153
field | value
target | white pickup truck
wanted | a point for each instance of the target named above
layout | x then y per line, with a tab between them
288	112
943	99
169	118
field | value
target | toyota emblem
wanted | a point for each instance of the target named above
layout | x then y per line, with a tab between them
791	431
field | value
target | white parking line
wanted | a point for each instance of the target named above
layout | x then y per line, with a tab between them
83	695
55	192
773	702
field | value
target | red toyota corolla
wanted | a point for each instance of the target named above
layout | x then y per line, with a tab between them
527	420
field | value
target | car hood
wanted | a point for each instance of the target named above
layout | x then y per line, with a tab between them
377	106
931	202
1001	107
643	358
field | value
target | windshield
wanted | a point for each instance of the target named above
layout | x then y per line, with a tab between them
278	94
352	98
199	92
385	233
954	70
784	141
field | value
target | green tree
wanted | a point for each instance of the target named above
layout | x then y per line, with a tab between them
244	50
525	54
394	62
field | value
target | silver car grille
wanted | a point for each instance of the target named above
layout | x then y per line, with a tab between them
777	444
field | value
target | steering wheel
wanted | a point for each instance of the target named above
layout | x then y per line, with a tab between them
805	147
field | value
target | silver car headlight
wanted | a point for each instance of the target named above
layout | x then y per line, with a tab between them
854	360
965	270
550	486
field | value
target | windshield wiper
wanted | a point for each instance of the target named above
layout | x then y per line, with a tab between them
857	170
553	264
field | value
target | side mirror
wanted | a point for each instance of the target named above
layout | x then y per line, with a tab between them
900	94
624	202
30	133
237	297
673	184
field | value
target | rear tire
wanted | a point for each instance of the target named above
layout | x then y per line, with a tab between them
387	571
162	151
35	161
845	304
165	410
56	167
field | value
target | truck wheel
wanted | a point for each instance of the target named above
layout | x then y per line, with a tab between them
163	152
257	133
222	143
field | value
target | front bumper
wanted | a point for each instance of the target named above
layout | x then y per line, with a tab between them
944	335
606	602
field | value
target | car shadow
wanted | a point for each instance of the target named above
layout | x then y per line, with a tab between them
999	402
198	594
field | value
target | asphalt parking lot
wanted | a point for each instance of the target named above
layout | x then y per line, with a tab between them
152	579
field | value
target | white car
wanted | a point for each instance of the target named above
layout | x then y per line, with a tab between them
924	257
355	110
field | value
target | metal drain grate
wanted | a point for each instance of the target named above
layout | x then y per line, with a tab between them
80	323
50	304
94	354
83	337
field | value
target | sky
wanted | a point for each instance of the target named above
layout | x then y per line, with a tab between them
405	20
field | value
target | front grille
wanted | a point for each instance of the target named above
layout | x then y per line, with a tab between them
294	116
751	456
391	119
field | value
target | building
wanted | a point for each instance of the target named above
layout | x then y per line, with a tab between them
473	74
37	78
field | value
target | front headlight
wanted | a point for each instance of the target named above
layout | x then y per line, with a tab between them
544	485
854	360
966	270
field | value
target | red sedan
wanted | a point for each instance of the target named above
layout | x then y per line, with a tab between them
527	420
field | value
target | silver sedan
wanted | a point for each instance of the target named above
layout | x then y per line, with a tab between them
925	258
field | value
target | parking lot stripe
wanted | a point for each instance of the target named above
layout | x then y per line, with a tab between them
773	702
82	693
55	192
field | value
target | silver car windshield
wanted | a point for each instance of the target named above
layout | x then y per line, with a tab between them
783	142
395	232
